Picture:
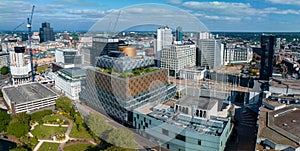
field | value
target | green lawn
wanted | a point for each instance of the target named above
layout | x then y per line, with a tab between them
41	131
49	147
53	119
41	69
80	147
79	134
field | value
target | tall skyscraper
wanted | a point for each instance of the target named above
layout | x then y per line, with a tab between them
178	34
46	33
268	45
164	39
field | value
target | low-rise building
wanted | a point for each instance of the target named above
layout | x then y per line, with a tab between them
193	73
28	97
183	129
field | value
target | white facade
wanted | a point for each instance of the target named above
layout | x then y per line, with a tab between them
205	35
68	82
192	73
70	88
164	39
178	57
236	55
212	52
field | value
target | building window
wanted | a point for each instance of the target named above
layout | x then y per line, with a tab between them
165	132
137	116
199	142
168	146
150	122
146	124
180	137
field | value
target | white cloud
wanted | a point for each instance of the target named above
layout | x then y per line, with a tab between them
222	18
235	9
174	1
286	2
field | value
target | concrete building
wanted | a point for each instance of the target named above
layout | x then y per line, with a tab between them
85	52
164	40
28	97
46	33
210	53
118	92
69	57
102	46
68	81
183	125
237	55
177	57
20	70
278	126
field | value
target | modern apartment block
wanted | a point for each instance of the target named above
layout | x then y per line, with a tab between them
118	92
178	57
68	81
28	97
188	124
237	55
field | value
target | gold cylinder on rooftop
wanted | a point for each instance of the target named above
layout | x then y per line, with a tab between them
128	50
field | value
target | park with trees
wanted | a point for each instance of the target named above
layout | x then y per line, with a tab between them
48	129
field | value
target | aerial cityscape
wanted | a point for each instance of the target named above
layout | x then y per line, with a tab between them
174	75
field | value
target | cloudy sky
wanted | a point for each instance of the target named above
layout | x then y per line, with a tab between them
219	15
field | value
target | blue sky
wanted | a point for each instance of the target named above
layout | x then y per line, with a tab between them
217	15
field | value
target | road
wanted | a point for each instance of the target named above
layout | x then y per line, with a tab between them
141	141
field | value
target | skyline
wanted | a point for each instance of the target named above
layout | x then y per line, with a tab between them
79	15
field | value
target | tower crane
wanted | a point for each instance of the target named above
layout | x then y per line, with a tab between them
29	23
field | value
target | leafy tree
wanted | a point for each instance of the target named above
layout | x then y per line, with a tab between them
64	104
5	119
19	125
4	70
122	138
37	116
97	124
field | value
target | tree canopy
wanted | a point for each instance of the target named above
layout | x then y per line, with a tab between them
97	124
5	119
122	138
4	70
19	125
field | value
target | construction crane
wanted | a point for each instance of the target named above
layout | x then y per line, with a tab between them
17	27
29	23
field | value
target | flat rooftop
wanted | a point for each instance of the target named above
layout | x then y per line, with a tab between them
27	92
165	113
199	102
73	72
280	126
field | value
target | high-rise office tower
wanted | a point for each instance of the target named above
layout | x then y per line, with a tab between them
164	39
210	53
178	34
268	45
46	33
